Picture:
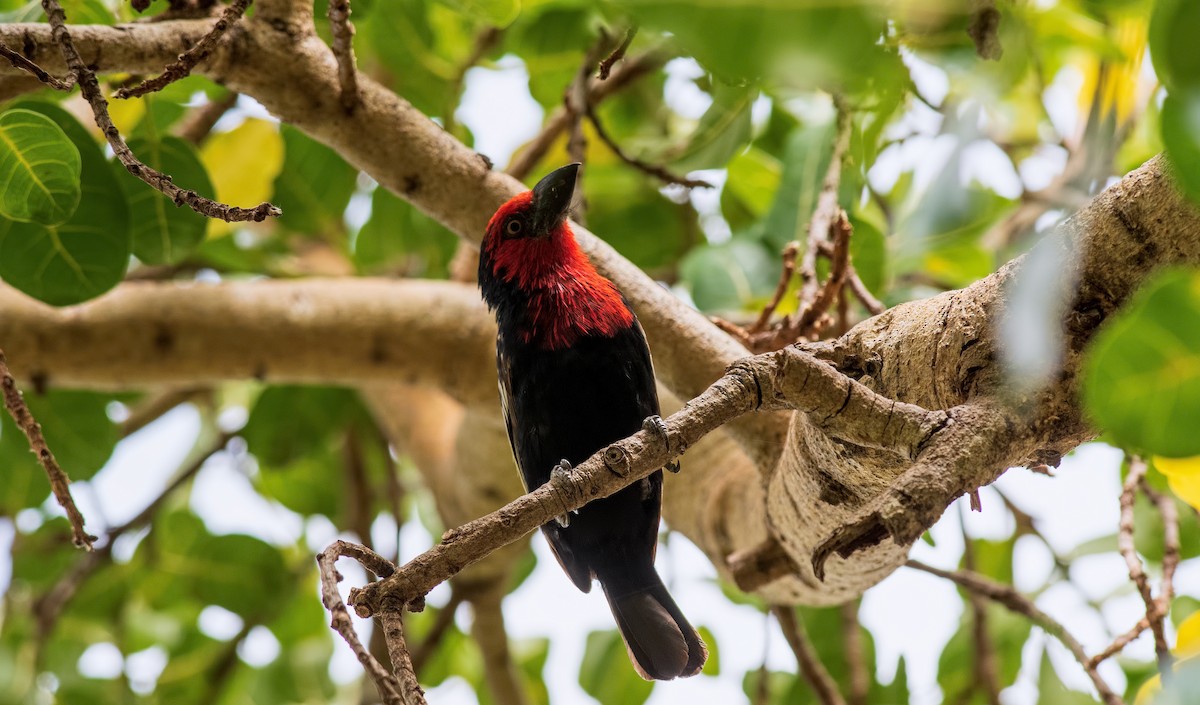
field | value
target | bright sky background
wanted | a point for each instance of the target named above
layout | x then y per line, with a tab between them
910	614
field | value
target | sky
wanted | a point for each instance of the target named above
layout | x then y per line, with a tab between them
910	614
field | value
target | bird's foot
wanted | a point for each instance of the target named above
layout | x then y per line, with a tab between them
655	424
563	468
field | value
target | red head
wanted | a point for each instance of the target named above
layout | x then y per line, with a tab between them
533	274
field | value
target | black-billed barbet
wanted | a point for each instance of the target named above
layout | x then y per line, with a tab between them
575	376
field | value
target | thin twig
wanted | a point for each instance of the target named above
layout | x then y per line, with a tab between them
856	659
1125	544
343	49
59	482
402	667
785	277
182	66
617	54
986	668
1118	645
826	210
633	69
656	170
50	605
388	685
806	657
872	304
160	181
198	123
25	64
1018	603
808	319
1170	561
484	42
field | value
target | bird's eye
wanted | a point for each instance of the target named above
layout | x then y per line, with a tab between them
514	226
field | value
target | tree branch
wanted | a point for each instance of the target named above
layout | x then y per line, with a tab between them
343	49
20	62
806	657
59	482
183	65
1018	603
1137	473
90	88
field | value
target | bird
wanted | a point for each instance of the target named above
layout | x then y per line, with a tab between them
575	375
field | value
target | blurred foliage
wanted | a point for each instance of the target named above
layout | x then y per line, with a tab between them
943	149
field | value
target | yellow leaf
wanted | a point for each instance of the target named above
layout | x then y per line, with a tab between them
126	114
1187	637
1148	691
1178	466
243	164
1186	487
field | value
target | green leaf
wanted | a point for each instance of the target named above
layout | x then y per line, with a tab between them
646	227
729	276
606	673
1142	375
1007	632
1173	30
78	432
164	233
1051	690
1148	530
287	423
722	132
399	238
314	186
83	257
1181	137
498	13
794	45
754	177
805	160
39	169
712	667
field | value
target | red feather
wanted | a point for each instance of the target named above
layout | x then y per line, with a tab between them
568	298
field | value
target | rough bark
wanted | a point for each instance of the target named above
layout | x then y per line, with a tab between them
841	492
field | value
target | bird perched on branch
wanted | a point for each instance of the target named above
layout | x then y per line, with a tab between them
575	376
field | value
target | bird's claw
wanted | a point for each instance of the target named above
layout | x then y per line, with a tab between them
561	469
655	424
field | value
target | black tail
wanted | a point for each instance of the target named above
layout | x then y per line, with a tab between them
661	643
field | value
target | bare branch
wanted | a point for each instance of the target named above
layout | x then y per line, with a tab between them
872	304
1118	645
656	170
1137	472
50	605
25	64
182	67
1018	603
402	667
523	161
343	49
856	659
160	181
617	54
785	277
986	669
806	657
388	685
196	125
605	472
59	482
826	211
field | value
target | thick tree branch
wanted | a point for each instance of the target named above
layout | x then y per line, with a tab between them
320	331
286	67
